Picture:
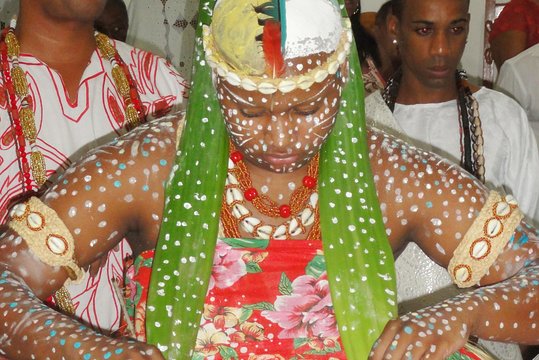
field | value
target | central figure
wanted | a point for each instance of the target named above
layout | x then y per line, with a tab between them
275	235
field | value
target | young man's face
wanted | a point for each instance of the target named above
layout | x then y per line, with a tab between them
431	37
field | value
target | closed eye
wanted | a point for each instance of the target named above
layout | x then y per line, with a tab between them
306	110
252	112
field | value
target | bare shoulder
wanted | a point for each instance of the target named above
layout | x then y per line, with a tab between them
423	197
145	146
118	188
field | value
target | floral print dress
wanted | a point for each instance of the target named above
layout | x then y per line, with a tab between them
266	300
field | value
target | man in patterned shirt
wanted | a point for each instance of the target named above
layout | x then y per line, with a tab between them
76	103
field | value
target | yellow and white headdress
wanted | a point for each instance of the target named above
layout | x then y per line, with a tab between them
362	283
238	43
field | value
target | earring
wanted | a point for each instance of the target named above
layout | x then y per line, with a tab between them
395	42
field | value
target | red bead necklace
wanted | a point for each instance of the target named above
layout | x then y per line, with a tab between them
14	112
263	203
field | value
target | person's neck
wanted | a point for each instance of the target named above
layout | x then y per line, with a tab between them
413	92
277	183
55	43
66	47
277	187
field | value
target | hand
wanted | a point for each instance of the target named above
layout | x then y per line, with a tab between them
136	351
142	351
431	333
121	348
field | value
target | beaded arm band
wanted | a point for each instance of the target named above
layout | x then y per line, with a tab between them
484	240
46	235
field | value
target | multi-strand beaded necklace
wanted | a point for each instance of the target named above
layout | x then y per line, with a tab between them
300	214
20	102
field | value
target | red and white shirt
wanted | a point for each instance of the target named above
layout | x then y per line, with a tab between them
68	128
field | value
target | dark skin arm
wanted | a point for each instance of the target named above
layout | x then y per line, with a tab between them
411	202
103	183
433	203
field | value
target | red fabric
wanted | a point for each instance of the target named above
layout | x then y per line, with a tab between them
265	303
519	15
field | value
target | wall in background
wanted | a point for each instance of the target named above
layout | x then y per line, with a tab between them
472	59
8	8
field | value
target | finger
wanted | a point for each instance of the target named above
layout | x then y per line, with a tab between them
430	353
415	351
407	349
384	341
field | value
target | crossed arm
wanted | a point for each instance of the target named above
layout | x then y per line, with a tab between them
422	198
433	203
103	198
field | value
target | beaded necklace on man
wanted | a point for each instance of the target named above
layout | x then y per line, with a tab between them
23	119
471	133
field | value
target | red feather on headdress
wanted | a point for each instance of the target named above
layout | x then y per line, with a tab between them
273	35
271	44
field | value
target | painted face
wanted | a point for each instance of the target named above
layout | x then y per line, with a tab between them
281	132
432	36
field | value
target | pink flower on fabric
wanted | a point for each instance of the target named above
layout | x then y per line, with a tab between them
228	266
307	312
